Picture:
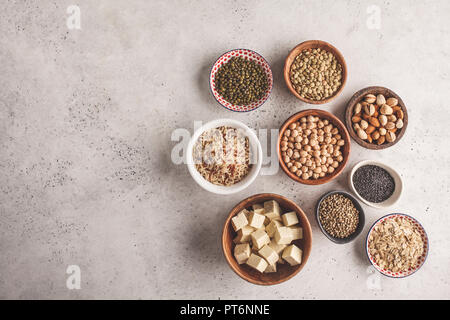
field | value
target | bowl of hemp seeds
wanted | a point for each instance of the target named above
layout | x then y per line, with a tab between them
315	72
340	216
241	80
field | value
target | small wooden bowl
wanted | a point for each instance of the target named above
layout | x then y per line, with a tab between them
345	149
313	44
284	271
357	97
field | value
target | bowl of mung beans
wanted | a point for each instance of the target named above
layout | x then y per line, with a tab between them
315	72
241	80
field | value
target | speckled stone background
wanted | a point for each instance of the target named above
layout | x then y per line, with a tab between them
86	118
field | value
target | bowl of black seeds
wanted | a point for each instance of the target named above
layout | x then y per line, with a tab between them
340	216
375	183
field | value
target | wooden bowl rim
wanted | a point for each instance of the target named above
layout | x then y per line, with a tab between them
316	44
349	111
307	230
342	130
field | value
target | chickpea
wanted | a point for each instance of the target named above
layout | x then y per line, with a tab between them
327	129
303	160
298	138
320	124
330	169
318	170
283	143
304	169
285	138
340	142
338	136
287	159
335	164
289	164
294	133
334	131
316	147
289	152
290	145
293	169
303	126
302	119
330	149
287	133
311	125
308	132
323	160
326	122
316	175
297	164
298	173
309	163
320	139
324	168
316	153
304	141
303	153
293	125
296	155
310	118
298	146
323	152
313	142
291	139
322	174
305	176
307	148
327	140
333	141
330	160
340	158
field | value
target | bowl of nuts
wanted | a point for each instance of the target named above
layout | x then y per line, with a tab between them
397	245
241	80
376	118
315	72
313	147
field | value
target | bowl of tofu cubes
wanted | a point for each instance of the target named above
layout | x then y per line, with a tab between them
267	239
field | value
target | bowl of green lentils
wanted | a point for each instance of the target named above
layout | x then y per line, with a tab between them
241	80
315	72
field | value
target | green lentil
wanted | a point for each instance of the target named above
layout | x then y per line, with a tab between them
316	74
241	81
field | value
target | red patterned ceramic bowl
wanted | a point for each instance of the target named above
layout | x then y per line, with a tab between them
248	54
421	260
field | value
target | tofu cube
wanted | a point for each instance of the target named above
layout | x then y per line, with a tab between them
271	268
244	234
269	254
272	227
290	218
257	263
257	206
242	252
296	233
272	210
256	220
283	235
260	238
278	248
293	255
239	221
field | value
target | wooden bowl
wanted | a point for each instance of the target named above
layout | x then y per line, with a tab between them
345	149
357	97
284	271
313	44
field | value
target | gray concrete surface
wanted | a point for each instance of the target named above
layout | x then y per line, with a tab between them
86	118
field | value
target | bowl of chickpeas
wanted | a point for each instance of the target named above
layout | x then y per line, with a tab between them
313	147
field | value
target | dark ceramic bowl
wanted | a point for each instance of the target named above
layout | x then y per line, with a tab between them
358	230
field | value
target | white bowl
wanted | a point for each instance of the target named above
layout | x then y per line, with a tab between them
397	179
255	149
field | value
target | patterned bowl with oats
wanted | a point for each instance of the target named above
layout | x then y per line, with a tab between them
421	259
247	54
